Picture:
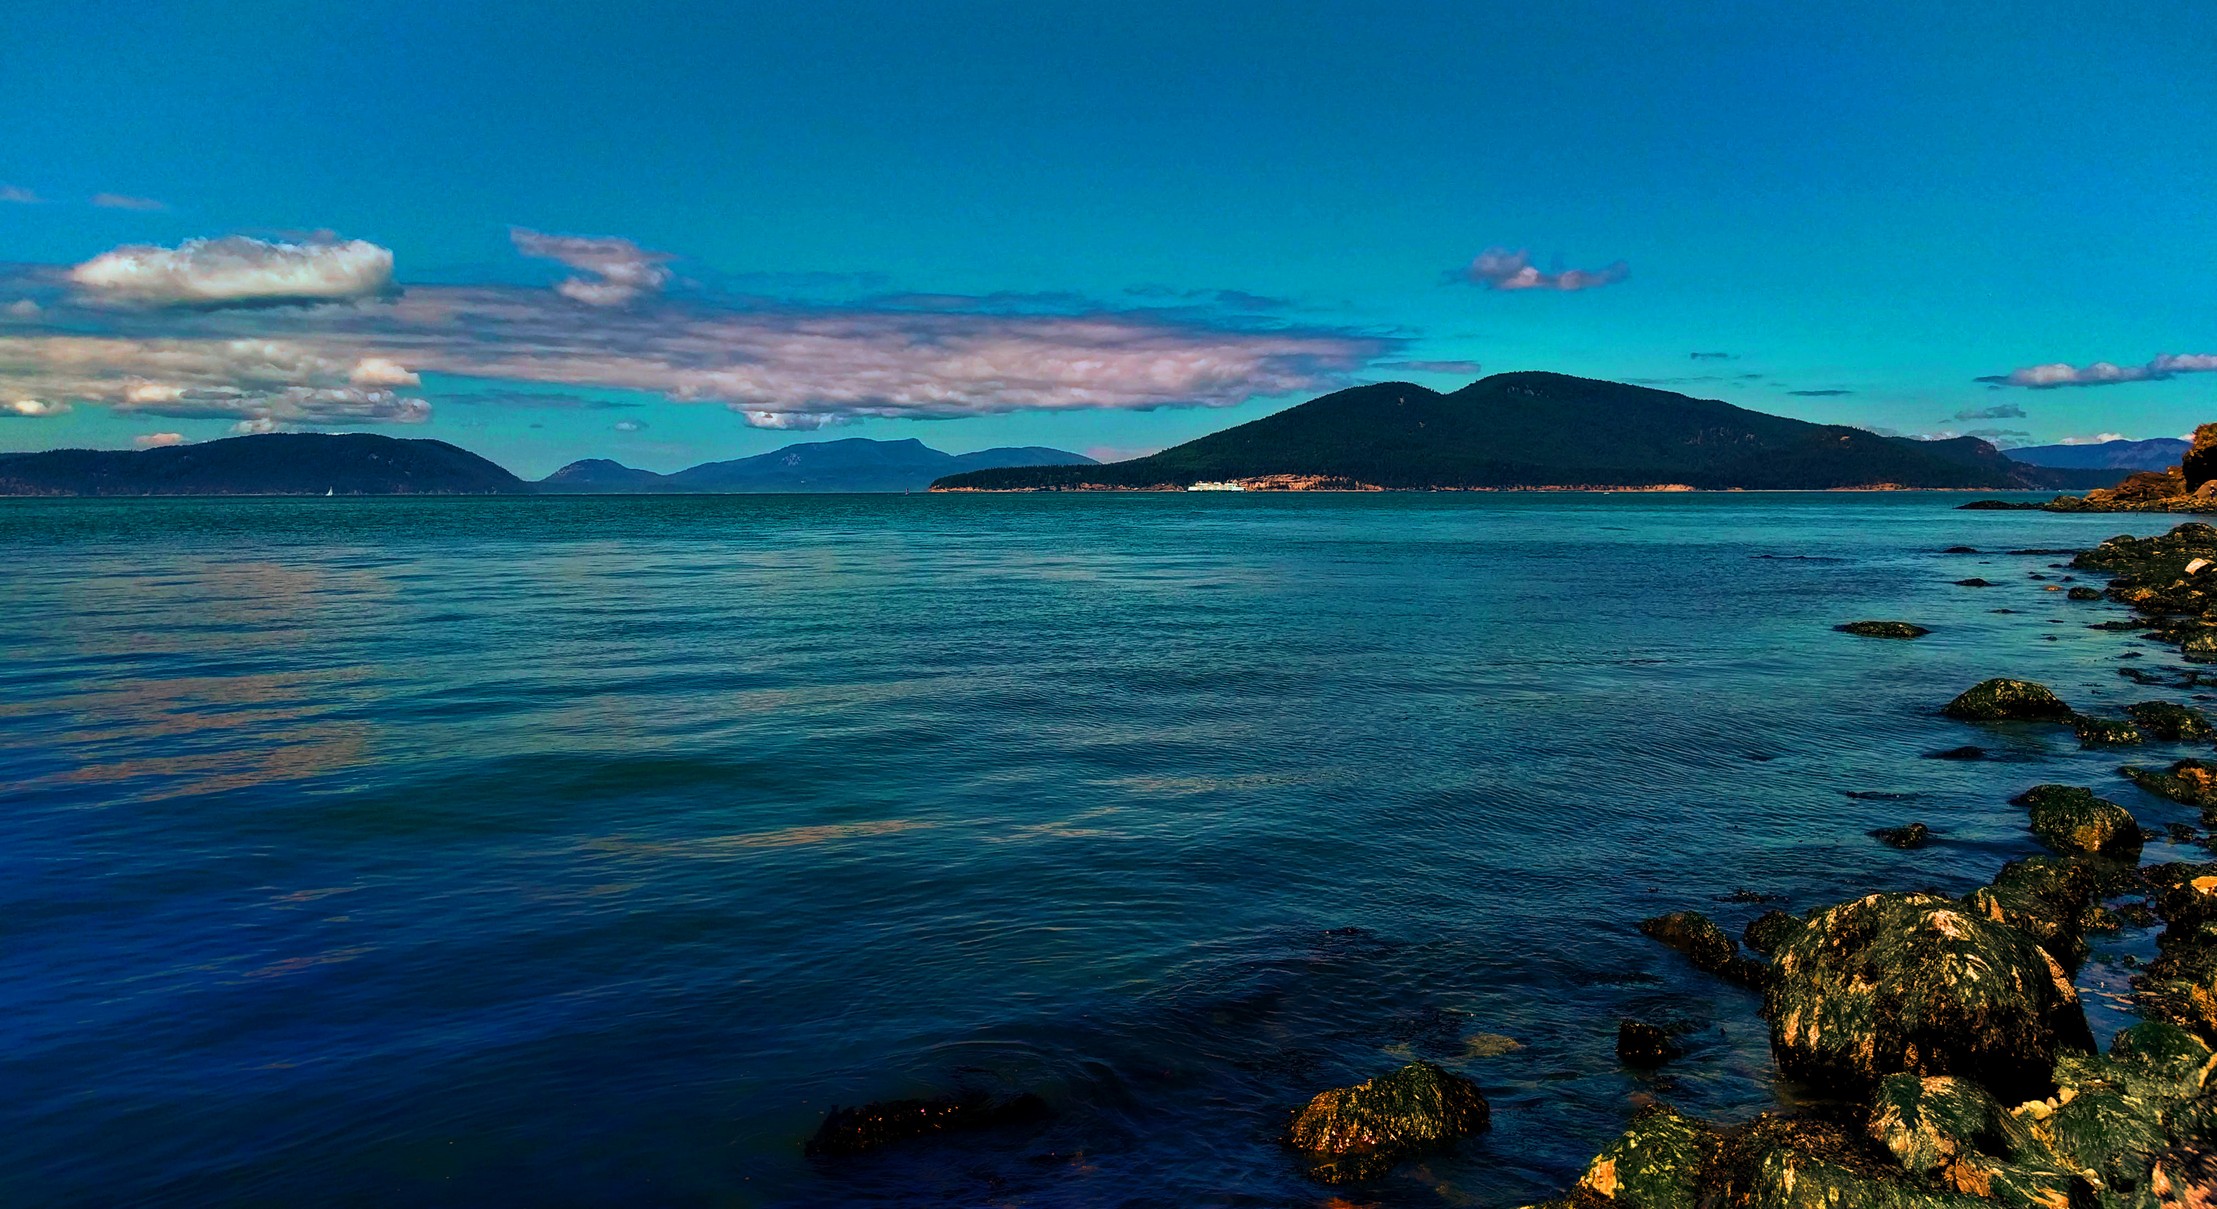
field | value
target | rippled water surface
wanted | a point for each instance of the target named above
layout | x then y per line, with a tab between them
584	851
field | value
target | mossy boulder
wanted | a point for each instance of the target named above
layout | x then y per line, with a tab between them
1916	983
1802	1163
1946	1131
1644	1045
2159	1062
1658	1163
2171	722
2072	821
2105	732
2004	700
1353	1133
1883	629
2193	782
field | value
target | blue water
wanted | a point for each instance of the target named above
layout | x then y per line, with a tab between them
585	851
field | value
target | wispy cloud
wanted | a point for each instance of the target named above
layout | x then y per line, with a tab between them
1434	367
1502	269
1999	411
18	195
235	271
1833	392
124	201
617	270
171	332
1713	356
2102	373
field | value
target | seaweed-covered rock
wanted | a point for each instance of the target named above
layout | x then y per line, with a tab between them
2072	821
1883	629
1893	983
2002	700
1913	835
2049	898
2171	722
2084	594
1766	932
1658	1163
1644	1045
1353	1133
2109	1114
1945	1130
2160	1062
2105	732
2185	895
855	1130
1801	1163
1707	946
2193	782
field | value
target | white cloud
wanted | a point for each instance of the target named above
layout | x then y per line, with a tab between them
255	427
381	371
1502	269
34	408
630	426
124	201
236	271
2104	373
2099	438
18	195
158	440
283	380
801	421
621	271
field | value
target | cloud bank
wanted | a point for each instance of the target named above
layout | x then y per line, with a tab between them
2102	373
124	201
618	270
235	271
197	331
1502	269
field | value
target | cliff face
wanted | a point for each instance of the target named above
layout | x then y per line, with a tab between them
269	464
2190	486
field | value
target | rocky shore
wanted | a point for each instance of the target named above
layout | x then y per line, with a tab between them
1936	1046
2190	486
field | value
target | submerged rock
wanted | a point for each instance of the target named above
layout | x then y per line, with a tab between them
2003	700
1644	1045
1883	629
2190	781
1973	582
2171	722
1914	835
2105	732
1958	753
1353	1133
855	1130
1917	983
1709	947
2072	821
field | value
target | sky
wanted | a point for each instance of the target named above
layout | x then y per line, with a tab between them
669	233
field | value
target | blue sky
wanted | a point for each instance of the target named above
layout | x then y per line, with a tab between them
1103	227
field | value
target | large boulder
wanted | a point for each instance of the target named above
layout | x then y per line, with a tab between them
1917	983
2002	700
2072	821
1353	1133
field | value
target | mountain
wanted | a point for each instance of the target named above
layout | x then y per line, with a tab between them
1543	430
269	464
854	464
2157	453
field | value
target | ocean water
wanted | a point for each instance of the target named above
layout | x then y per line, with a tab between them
585	851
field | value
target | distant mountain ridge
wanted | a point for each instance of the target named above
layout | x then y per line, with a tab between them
852	464
1537	430
2156	453
287	463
